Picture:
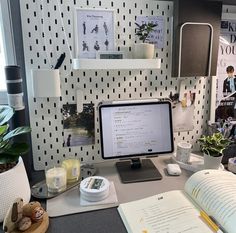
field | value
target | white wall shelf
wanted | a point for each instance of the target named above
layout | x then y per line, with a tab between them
116	64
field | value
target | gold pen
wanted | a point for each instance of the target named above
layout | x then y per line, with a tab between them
210	222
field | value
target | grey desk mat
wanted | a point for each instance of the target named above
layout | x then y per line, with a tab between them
69	203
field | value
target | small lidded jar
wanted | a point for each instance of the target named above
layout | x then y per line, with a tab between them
72	167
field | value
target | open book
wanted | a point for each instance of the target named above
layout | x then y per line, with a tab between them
212	191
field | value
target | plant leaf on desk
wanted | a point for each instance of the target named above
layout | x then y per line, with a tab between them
4	145
5	114
16	149
17	131
3	129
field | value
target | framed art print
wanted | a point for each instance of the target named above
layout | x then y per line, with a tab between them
157	36
94	31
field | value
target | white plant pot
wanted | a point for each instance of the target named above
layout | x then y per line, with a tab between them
14	183
211	162
143	51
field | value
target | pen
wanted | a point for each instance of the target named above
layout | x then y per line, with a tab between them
210	222
60	60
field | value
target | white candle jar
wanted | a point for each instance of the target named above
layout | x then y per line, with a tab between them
56	179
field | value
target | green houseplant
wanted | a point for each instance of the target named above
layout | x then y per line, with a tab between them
10	150
13	178
144	49
212	147
143	31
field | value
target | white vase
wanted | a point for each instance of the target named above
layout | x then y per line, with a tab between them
211	162
14	183
143	51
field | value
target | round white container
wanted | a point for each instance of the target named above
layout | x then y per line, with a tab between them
94	188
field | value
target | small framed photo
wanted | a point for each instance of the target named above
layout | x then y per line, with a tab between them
94	31
110	55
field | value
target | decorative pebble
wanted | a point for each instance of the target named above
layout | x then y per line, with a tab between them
24	224
37	214
28	208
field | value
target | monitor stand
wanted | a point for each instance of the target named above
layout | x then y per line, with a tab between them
137	171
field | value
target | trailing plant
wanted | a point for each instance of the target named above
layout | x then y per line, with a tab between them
10	150
143	31
213	145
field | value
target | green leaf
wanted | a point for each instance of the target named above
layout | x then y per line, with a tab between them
17	149
6	113
213	145
3	129
10	151
142	31
4	145
17	131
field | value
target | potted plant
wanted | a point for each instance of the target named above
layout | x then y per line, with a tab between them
144	50
212	147
13	178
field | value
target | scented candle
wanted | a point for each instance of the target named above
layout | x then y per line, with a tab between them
72	167
56	179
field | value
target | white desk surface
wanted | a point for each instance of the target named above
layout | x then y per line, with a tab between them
134	191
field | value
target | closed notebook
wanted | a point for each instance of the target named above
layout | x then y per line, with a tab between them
213	191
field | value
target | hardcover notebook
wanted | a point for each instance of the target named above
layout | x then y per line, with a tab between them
212	191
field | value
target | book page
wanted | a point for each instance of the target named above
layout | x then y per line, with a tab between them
215	192
170	212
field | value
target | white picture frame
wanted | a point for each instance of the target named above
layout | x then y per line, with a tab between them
94	31
110	55
157	36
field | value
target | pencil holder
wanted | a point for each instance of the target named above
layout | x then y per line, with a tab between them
46	83
183	152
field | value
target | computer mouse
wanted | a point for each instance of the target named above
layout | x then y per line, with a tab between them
173	169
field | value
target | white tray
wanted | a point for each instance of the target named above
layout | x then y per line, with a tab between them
195	164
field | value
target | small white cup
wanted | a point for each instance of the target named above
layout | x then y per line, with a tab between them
183	152
232	165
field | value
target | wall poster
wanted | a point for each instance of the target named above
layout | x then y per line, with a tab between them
225	114
94	31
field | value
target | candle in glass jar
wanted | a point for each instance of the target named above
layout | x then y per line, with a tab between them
72	167
56	179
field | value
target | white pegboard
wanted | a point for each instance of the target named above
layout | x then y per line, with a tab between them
48	32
